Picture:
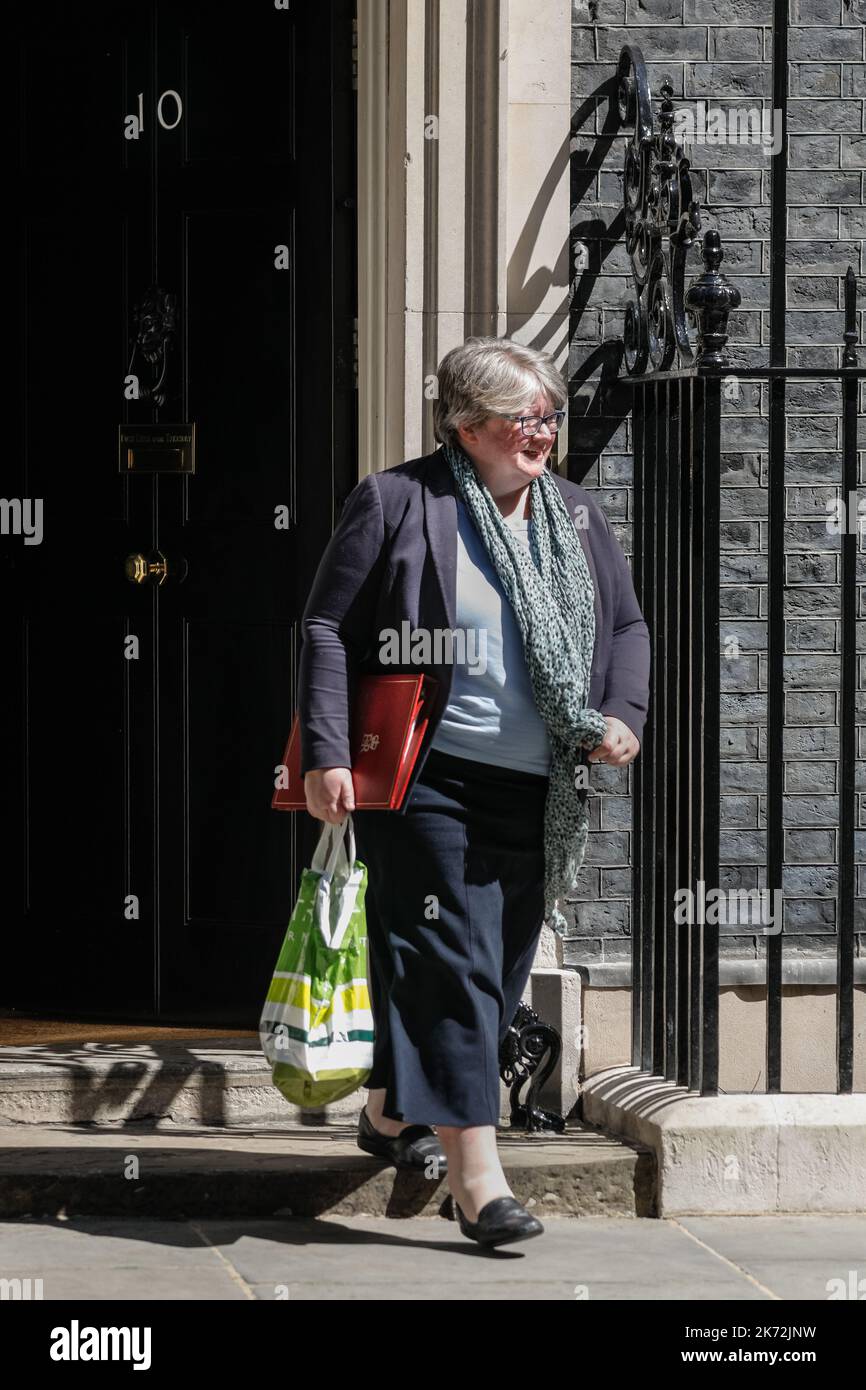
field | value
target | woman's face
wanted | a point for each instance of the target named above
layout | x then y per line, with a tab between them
506	459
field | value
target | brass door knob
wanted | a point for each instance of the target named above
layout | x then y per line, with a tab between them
153	569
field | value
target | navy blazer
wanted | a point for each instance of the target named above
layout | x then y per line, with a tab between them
393	558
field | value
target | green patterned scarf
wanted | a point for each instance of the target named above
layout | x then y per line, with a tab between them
551	592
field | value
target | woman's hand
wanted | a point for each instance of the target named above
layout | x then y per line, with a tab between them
618	747
330	793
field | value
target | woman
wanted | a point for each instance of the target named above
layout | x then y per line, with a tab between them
480	539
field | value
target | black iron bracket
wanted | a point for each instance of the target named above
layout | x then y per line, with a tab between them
529	1052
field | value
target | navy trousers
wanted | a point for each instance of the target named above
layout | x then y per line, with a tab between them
455	905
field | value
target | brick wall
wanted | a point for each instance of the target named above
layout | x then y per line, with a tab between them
728	64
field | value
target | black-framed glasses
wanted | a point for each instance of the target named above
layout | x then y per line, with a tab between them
531	424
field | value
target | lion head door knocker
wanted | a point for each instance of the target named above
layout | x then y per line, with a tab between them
155	319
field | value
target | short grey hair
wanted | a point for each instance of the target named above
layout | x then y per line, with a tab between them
484	376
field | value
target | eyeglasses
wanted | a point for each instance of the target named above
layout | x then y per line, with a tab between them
531	424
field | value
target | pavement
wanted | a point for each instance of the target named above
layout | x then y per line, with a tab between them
591	1259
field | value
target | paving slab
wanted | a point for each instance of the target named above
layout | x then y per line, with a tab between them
364	1258
798	1257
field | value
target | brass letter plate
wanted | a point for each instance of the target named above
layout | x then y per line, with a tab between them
156	448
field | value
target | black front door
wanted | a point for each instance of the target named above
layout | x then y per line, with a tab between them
184	204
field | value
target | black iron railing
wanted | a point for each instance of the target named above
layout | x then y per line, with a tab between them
674	346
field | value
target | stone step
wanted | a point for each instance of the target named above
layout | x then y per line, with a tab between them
134	1169
212	1135
223	1081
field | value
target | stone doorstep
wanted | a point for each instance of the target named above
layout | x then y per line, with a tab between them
68	1171
737	1154
221	1081
224	1082
227	1084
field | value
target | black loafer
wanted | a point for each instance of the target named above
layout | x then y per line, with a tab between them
500	1222
412	1148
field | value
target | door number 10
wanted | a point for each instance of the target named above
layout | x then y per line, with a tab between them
134	125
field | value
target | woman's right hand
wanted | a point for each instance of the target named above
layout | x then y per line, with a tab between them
330	793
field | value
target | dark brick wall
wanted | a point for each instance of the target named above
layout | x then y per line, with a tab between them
729	64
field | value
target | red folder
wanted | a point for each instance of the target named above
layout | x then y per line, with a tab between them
389	721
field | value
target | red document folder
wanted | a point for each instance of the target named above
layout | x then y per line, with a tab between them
389	721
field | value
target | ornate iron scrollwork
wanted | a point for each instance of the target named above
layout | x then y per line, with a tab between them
529	1052
662	220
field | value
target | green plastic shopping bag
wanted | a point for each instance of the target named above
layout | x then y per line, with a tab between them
316	1027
